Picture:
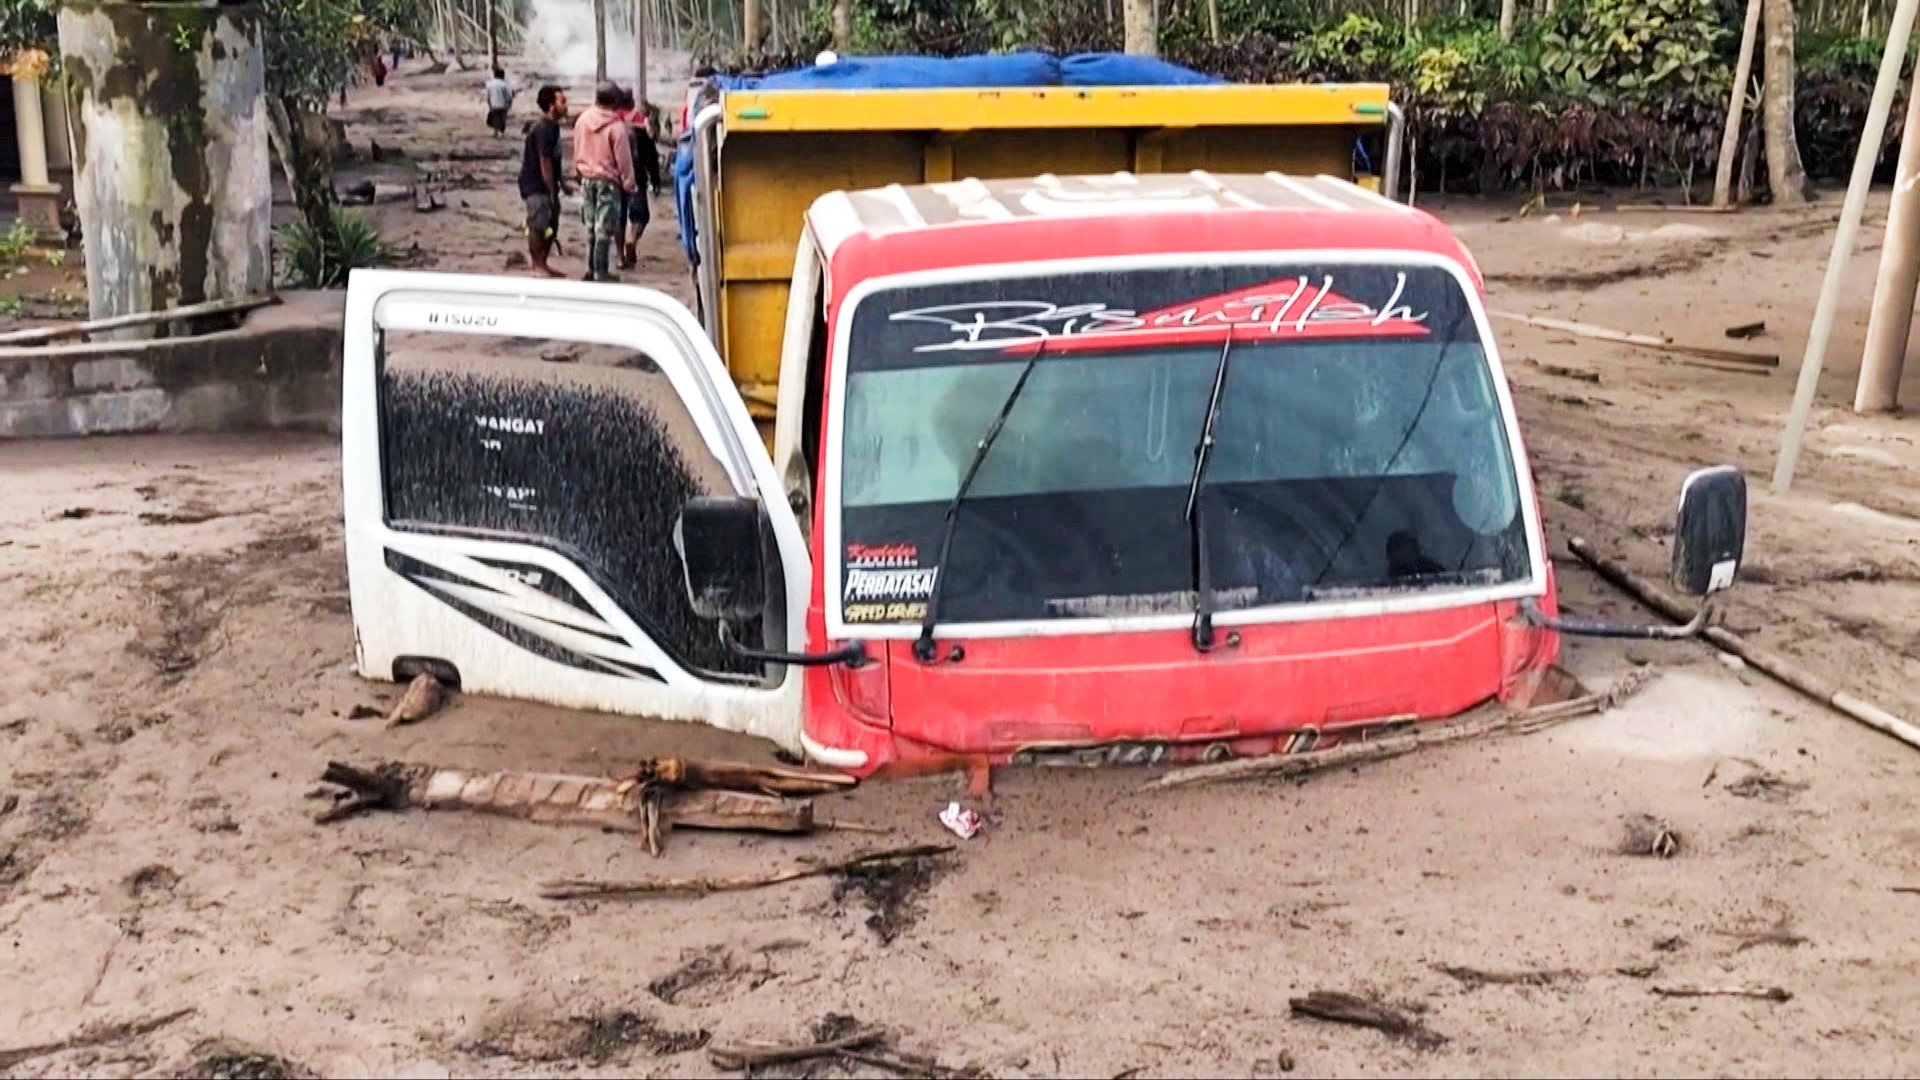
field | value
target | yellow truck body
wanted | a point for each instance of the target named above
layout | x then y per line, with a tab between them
763	157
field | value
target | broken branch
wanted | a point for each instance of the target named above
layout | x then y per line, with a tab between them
1343	1008
1761	993
102	1036
581	889
748	1058
731	776
1392	746
1475	978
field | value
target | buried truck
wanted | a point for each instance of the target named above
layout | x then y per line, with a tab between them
1103	468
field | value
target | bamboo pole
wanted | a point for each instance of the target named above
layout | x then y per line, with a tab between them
1770	663
1736	108
1844	236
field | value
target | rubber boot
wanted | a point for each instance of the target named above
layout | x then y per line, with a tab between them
628	257
597	262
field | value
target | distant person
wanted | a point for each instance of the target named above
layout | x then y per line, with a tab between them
379	66
638	211
499	101
603	160
540	179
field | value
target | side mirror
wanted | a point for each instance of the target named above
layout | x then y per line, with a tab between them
1710	532
720	546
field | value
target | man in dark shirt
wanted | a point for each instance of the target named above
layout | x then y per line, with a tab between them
540	178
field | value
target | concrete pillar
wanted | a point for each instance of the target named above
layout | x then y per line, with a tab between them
1893	292
36	195
174	189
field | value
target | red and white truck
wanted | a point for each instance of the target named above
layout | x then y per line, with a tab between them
1104	468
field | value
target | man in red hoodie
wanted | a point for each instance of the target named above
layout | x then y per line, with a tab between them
604	162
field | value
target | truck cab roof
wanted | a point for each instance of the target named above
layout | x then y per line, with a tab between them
925	227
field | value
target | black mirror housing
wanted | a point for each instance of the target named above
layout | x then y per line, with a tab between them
722	548
1710	532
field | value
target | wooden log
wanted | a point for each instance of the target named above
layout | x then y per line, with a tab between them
1771	663
1762	993
555	799
145	318
735	776
1344	1008
1644	341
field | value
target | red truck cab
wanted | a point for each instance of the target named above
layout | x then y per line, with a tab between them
1369	520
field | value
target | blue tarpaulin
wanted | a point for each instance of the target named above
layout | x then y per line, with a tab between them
932	73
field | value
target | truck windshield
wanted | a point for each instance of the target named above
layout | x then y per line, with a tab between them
1360	446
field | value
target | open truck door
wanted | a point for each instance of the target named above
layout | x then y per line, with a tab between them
518	456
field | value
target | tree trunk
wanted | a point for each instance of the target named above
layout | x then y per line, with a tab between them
843	24
750	27
1509	12
493	36
175	184
640	54
1142	27
1785	174
599	41
1213	19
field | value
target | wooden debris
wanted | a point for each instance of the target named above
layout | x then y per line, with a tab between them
1648	835
1344	1008
578	889
423	698
747	1057
730	776
1746	330
145	318
1911	890
1644	341
92	1037
1761	993
1525	722
1578	374
622	805
1475	978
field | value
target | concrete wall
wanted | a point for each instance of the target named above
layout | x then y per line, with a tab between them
278	371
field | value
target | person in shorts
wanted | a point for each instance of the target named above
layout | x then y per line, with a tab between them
540	178
499	95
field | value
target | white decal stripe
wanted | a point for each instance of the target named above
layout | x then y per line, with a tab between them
586	644
534	604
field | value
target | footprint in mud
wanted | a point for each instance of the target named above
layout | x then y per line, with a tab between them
705	976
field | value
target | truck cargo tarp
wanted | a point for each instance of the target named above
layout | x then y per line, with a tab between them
934	73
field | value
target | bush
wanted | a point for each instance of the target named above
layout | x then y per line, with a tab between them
322	258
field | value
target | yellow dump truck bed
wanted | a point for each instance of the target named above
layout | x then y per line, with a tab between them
765	156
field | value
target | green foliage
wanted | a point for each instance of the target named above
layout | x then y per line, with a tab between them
322	258
315	47
15	244
29	24
1638	51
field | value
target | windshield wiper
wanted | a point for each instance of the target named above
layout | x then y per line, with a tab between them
923	650
1196	519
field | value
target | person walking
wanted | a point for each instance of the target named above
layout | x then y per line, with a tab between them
603	160
540	179
499	94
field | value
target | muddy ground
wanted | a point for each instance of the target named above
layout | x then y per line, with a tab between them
174	674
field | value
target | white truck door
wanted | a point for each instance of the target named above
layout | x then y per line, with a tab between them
515	455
